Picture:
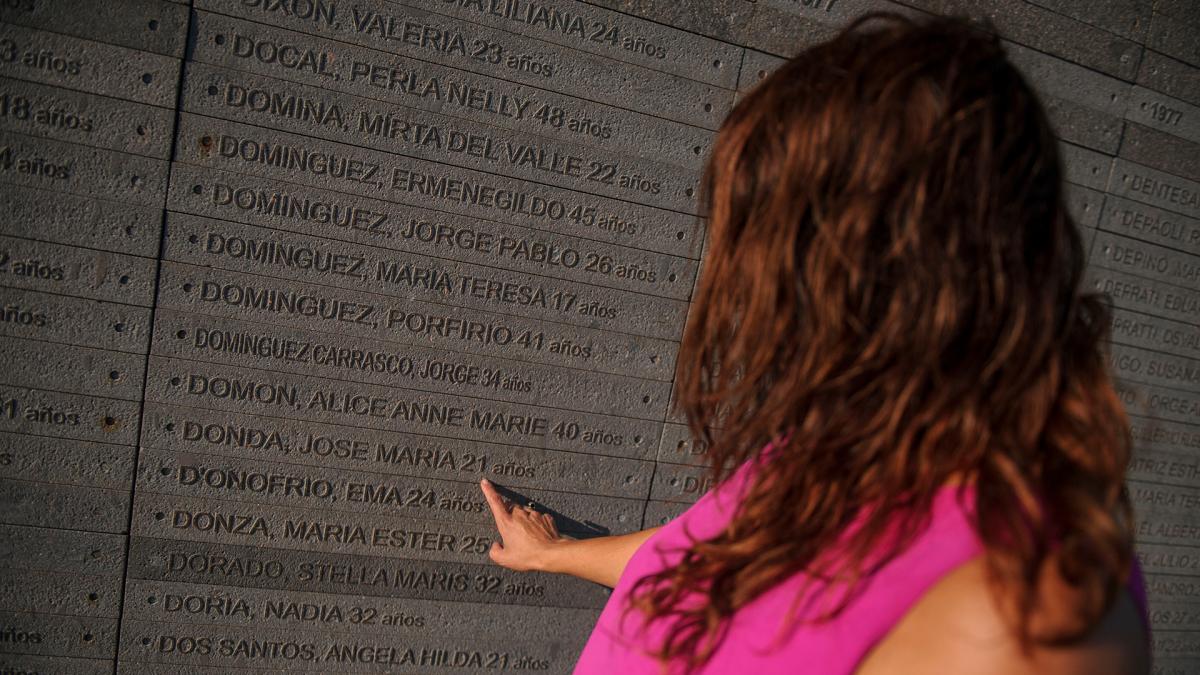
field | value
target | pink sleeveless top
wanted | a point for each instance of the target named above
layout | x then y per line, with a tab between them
756	642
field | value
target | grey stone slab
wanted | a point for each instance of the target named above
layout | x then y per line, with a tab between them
54	665
145	25
1146	260
68	551
238	523
50	635
438	88
297	610
80	370
316	399
245	248
1159	403
1157	226
1164	528
51	413
1084	204
756	66
1085	167
660	513
275	154
1174	38
67	506
678	447
1050	32
1078	124
90	172
87	66
1054	77
69	270
1143	295
1167	503
87	119
351	448
1127	18
59	593
494	53
1178	561
1176	644
343	574
68	462
385	226
1165	467
1161	151
1169	76
1154	368
1158	111
340	357
1156	188
77	169
343	495
1156	333
232	648
1171	586
678	483
77	321
92	223
1157	435
319	113
588	28
247	297
1176	665
1180	9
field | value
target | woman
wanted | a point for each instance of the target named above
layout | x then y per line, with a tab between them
890	344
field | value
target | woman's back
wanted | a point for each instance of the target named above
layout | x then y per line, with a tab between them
760	640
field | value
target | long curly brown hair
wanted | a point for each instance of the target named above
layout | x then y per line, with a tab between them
892	294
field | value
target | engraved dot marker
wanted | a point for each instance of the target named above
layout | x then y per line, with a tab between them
181	334
681	445
159	515
717	63
193	238
119	327
672	277
124	279
697	150
152	600
690	192
93	596
109	421
88	637
187	288
628	480
762	74
679	236
147	78
146	642
674	482
135	180
212	90
220	39
114	375
197	189
129	230
166	471
645	399
169	426
654	358
174	381
637	439
153	24
707	107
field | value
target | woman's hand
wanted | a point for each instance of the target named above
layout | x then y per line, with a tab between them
527	537
530	541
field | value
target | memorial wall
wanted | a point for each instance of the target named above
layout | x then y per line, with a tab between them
280	280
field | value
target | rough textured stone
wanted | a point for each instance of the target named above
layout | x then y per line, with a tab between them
1152	109
1161	150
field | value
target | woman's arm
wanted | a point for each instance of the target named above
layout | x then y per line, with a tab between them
530	541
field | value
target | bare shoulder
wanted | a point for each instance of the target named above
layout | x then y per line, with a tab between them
956	627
